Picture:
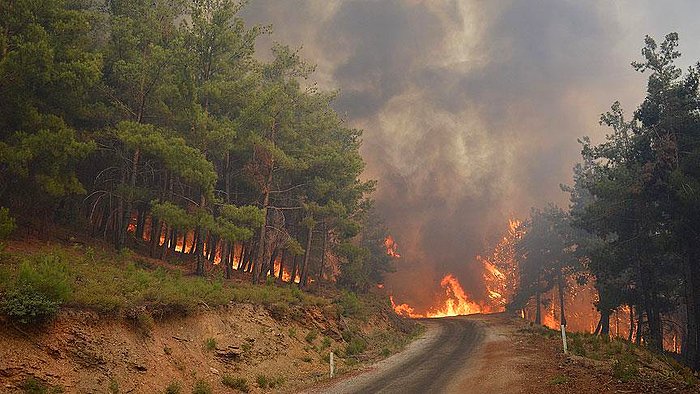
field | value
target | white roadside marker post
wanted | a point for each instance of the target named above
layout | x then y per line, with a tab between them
332	366
563	339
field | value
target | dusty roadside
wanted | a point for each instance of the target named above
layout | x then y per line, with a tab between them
517	357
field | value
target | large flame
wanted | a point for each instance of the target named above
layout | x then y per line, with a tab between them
391	247
455	303
500	279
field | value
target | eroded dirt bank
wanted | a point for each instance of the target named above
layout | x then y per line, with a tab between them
81	352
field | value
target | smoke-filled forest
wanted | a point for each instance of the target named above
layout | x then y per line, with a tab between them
631	226
178	184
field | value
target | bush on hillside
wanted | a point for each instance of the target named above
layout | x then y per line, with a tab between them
37	291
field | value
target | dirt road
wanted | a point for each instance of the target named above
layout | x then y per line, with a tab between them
432	364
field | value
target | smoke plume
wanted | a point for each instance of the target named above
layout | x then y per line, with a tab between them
471	109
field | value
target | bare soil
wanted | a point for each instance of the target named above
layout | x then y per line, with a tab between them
516	357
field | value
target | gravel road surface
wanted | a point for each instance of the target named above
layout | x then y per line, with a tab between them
430	364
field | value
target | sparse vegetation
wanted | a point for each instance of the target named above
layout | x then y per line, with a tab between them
35	386
559	379
311	336
173	388
202	387
210	344
237	383
265	382
113	386
356	346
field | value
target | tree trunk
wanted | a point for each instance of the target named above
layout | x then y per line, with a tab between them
155	236
121	239
293	273
259	256
200	246
323	252
307	255
560	285
538	311
140	223
691	345
605	323
631	333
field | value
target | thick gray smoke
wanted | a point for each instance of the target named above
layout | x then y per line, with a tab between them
471	109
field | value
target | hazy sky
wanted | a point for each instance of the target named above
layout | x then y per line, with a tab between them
471	108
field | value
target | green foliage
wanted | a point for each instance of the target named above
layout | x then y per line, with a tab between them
173	388
350	304
311	336
202	387
559	380
356	346
113	386
236	383
262	381
210	344
35	386
37	290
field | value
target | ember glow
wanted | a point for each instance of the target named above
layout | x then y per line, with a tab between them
391	247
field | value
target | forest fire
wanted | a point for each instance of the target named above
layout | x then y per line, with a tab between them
391	247
499	276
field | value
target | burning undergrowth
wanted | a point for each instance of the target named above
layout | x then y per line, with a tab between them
498	275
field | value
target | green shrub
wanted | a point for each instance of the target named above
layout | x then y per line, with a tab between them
356	346
262	381
292	333
326	343
350	304
240	384
201	387
37	291
559	379
173	388
311	336
113	387
210	344
35	386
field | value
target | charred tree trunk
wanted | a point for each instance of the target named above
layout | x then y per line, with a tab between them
605	323
538	309
560	285
631	333
140	223
293	273
285	254
155	236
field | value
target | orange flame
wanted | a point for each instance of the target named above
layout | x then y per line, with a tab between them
500	276
456	302
391	247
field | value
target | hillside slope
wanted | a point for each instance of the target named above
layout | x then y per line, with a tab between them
129	328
